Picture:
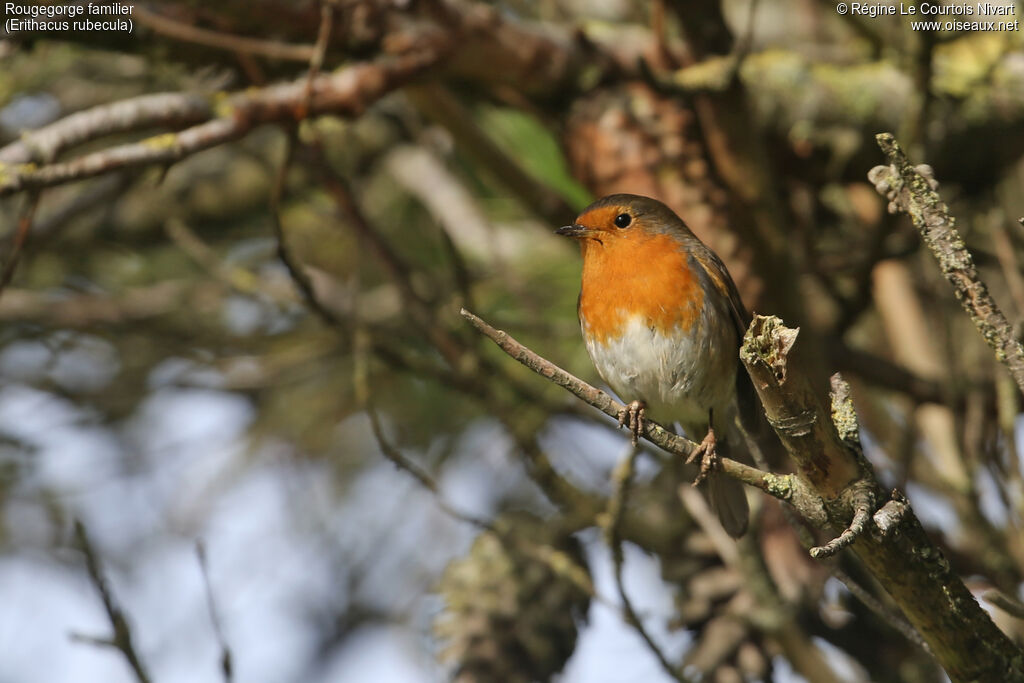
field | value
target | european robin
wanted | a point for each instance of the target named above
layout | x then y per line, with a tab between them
662	321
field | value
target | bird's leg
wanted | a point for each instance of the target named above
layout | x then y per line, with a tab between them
632	416
707	453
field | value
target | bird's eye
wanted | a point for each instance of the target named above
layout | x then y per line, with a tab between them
623	220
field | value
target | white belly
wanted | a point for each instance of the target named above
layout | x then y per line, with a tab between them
679	376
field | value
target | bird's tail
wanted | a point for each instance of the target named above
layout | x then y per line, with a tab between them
728	498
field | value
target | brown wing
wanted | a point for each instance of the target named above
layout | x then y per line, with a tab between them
746	397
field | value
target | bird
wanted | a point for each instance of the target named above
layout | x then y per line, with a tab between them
662	321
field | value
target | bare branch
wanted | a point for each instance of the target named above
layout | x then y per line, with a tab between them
782	486
346	92
226	666
291	263
316	60
122	637
1004	602
441	106
171	110
560	562
914	195
20	237
418	308
224	41
622	480
421	476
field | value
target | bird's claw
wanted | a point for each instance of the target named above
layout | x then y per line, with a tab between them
632	417
708	457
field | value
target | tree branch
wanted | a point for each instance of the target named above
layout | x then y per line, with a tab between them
911	193
900	555
21	232
170	110
122	637
622	480
346	92
226	661
178	30
782	486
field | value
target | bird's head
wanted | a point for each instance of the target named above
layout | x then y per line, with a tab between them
619	220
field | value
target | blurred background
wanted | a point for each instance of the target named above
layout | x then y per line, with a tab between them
226	369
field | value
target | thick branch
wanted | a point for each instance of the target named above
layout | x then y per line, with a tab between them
795	410
900	556
913	194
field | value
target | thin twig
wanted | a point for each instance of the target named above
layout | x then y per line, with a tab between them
122	637
271	49
295	269
460	357
1008	604
913	194
1008	262
861	518
226	665
237	278
779	486
316	60
421	476
558	561
419	309
441	106
20	237
894	619
744	44
622	480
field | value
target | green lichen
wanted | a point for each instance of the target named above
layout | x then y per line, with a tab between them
164	141
778	485
844	415
222	105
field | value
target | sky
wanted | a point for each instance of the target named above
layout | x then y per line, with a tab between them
263	518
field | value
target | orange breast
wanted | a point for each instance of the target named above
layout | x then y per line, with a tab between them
647	276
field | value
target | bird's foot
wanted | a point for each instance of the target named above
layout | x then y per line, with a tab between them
632	417
708	456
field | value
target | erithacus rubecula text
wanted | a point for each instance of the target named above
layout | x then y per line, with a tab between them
662	321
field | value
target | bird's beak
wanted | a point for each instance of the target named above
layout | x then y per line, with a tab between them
575	231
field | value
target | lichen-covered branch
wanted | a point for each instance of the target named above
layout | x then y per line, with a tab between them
899	555
170	110
795	410
346	92
913	194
